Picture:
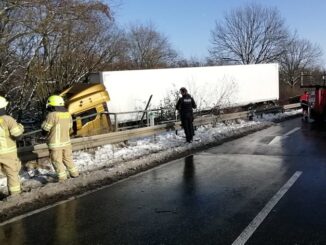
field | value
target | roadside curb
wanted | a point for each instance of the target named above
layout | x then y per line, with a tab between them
52	193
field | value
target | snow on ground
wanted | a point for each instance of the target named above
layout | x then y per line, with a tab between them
109	156
279	116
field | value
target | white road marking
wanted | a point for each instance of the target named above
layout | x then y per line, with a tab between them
279	138
292	131
275	140
250	229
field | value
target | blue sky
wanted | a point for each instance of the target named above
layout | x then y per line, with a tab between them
187	23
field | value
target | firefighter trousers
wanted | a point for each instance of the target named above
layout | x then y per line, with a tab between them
61	159
10	166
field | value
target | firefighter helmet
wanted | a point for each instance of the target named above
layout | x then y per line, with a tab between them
3	102
55	100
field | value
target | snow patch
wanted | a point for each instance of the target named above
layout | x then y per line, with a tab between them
109	156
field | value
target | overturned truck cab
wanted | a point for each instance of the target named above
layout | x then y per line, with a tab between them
87	103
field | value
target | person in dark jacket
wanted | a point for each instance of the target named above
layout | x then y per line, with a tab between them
185	106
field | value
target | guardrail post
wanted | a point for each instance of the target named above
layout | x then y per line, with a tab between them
251	116
152	124
151	119
116	123
176	119
161	113
147	118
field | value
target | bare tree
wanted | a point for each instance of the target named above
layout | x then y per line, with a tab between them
248	35
299	55
70	43
48	45
13	46
147	48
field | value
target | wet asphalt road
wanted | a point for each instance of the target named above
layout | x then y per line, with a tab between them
206	198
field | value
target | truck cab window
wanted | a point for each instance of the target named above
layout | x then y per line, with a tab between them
88	116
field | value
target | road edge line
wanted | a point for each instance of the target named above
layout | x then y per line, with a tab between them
255	223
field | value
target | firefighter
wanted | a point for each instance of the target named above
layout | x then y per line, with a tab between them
57	127
185	106
304	100
10	165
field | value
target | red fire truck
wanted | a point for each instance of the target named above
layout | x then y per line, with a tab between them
317	101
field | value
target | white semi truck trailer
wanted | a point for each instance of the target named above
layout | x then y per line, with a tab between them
125	91
222	86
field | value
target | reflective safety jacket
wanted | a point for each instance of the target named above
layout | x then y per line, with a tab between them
58	124
304	97
9	129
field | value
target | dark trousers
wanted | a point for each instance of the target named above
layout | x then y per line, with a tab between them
304	105
188	128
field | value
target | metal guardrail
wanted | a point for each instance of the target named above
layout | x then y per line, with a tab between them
40	151
291	106
115	115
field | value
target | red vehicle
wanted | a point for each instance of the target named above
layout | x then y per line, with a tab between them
317	102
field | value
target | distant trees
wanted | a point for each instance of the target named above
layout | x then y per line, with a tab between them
254	34
191	62
148	48
300	55
48	45
79	38
143	47
248	35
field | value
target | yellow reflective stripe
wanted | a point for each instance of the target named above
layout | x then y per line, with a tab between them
3	140
64	115
16	131
73	170
14	188
62	175
5	150
47	126
2	129
57	134
54	145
